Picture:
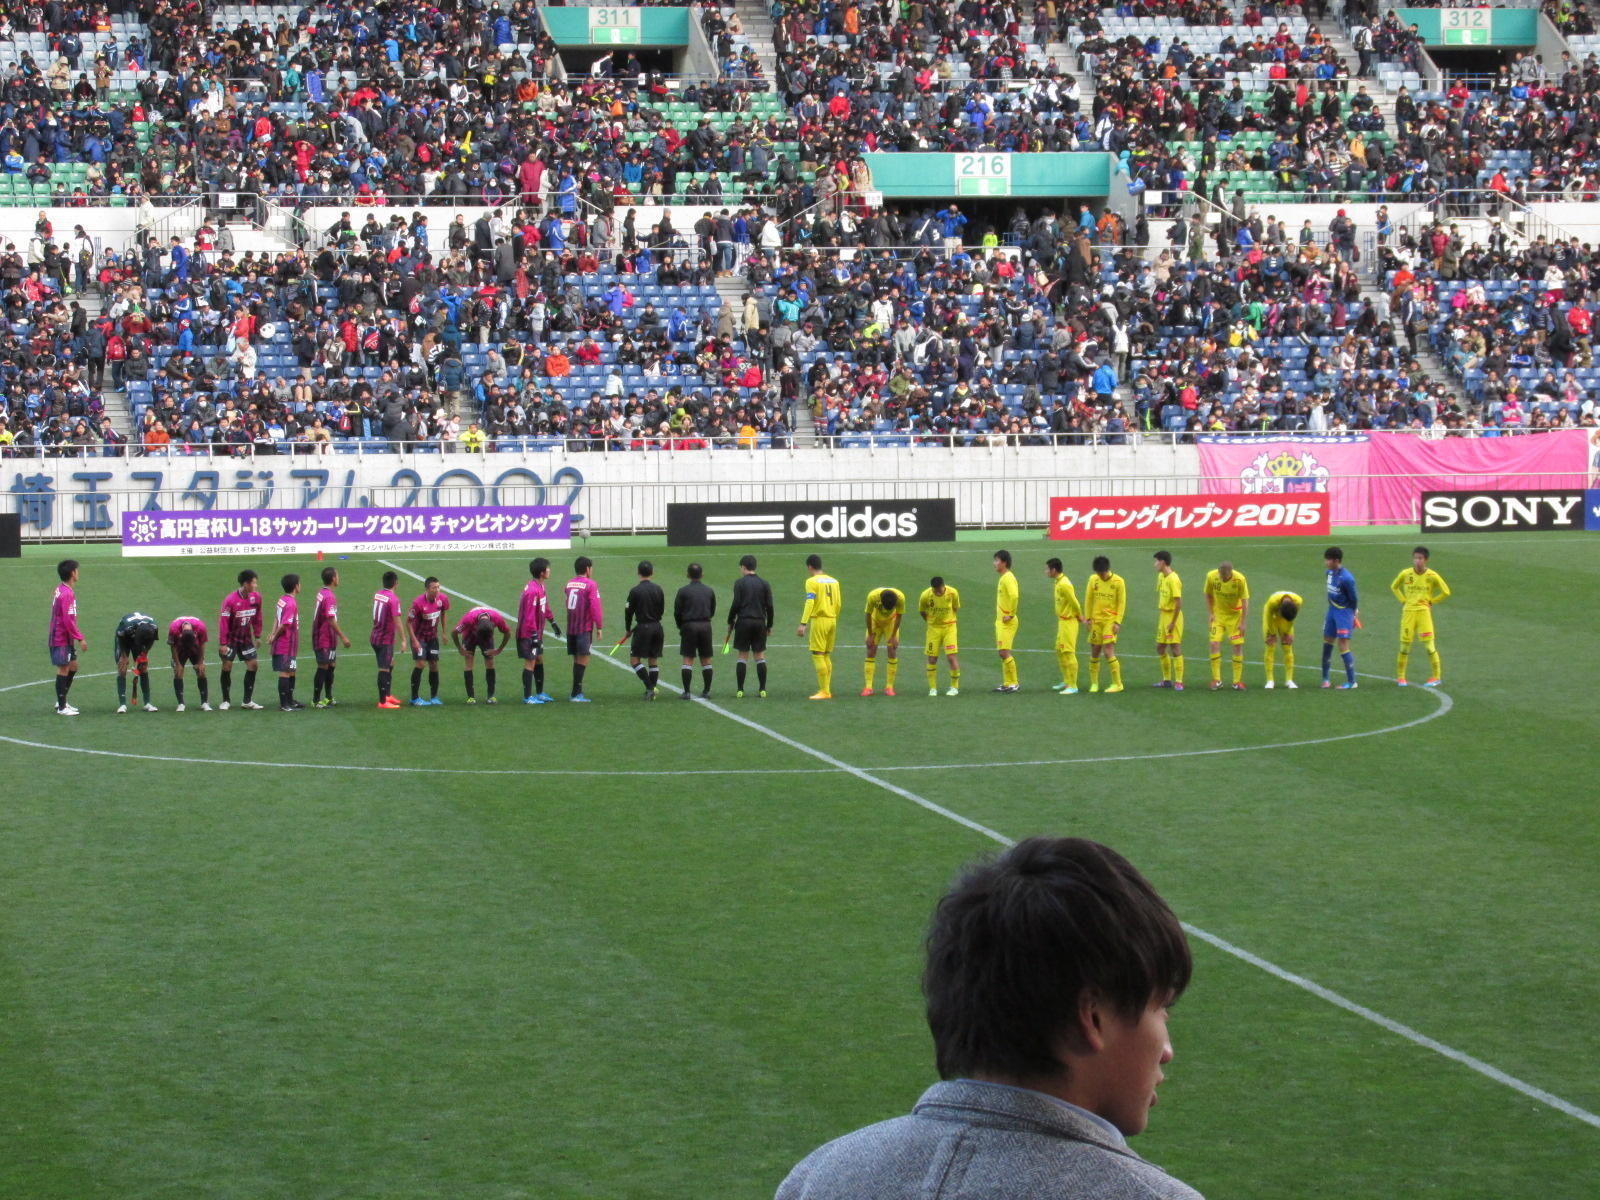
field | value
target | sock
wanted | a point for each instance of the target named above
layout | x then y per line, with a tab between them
1177	668
1400	664
433	685
643	672
488	681
955	678
327	681
892	670
285	690
1433	663
1166	668
577	678
384	679
227	687
1288	663
871	670
1238	668
1094	672
249	686
655	678
1327	660
1349	661
933	676
61	690
705	677
1270	654
1216	668
416	682
820	663
538	678
1116	671
205	689
761	674
739	674
1010	671
144	684
688	679
1068	667
316	684
527	683
177	689
467	677
122	689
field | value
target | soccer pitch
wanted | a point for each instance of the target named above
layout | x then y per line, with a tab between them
630	950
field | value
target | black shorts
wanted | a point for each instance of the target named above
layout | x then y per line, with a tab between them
283	664
695	640
578	643
121	648
326	656
530	647
750	636
188	658
648	640
427	648
385	654
243	653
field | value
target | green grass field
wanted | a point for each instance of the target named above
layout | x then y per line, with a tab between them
621	950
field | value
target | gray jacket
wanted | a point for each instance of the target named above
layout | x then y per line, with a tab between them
979	1141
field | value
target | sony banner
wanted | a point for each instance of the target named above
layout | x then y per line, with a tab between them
1108	518
1506	512
798	523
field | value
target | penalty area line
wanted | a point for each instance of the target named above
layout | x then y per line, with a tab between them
1488	1070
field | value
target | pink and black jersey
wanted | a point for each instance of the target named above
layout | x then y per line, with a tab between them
427	616
533	613
64	617
324	613
583	606
175	630
239	625
287	643
467	627
385	617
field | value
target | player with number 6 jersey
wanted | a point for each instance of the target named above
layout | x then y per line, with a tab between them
584	621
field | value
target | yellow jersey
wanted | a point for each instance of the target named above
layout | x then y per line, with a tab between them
939	610
875	610
1107	598
1067	608
822	600
1227	596
1169	590
1006	595
1418	592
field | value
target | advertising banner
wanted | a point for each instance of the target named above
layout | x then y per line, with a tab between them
1379	478
1504	512
1109	518
378	530
806	523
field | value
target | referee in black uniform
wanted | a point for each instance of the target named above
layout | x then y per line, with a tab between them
693	608
646	604
750	619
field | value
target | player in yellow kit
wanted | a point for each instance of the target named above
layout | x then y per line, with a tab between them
1277	625
1169	622
939	606
1227	604
1106	600
1006	597
1418	588
821	614
885	607
1069	616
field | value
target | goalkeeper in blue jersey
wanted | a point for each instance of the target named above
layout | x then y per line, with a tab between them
1343	619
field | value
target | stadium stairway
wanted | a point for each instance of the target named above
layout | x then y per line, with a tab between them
1062	55
115	402
1336	37
756	18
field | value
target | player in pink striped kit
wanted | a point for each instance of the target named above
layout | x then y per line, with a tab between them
584	621
66	639
187	637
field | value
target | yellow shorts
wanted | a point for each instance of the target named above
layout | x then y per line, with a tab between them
1163	638
1416	624
1005	632
1101	633
1067	634
1276	627
823	631
941	639
1228	631
881	631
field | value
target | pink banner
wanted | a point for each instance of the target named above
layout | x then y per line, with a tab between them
1379	478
